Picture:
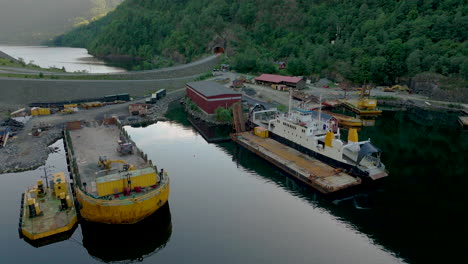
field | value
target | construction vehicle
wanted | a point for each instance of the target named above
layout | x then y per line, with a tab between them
106	164
401	88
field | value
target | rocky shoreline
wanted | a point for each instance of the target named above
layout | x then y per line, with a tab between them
26	152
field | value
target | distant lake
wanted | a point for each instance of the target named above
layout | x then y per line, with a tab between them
73	59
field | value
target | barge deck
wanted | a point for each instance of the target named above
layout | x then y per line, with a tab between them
49	214
113	186
312	172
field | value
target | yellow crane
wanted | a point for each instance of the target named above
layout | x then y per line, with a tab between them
106	164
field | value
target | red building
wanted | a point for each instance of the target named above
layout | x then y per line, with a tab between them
210	95
269	79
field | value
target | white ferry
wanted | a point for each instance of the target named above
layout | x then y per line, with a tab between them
317	134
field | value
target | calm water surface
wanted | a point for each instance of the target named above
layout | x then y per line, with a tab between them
73	59
229	206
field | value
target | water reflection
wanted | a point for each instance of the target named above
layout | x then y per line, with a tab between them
424	152
128	243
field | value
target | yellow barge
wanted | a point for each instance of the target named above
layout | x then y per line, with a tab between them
46	212
115	182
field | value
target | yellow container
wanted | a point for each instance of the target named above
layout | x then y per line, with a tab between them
70	106
35	111
261	132
44	111
117	185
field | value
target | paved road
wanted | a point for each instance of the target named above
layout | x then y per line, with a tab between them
21	91
130	74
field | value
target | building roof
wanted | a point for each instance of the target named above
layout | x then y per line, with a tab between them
277	78
210	88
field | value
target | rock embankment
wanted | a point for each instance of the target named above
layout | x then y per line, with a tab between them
26	152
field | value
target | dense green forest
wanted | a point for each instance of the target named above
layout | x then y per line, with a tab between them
364	41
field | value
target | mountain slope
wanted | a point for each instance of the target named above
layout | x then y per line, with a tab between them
363	41
33	21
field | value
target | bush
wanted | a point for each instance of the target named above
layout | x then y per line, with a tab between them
223	115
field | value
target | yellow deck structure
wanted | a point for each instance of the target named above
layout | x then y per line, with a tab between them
53	218
114	194
352	104
311	171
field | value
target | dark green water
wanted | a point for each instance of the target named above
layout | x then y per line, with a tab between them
229	206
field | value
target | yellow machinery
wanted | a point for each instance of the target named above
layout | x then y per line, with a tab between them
107	164
401	88
91	105
60	185
364	102
68	111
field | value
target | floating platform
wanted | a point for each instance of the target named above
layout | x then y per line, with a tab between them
352	106
312	172
463	120
47	214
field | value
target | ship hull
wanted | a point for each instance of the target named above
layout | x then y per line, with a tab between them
125	211
353	170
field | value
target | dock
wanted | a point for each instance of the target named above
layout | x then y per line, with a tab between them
310	171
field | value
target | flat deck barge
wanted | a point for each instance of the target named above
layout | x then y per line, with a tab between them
46	212
351	104
312	172
126	187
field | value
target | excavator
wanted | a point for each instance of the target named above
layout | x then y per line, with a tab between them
106	164
401	88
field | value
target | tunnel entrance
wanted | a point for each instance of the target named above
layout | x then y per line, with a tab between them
218	50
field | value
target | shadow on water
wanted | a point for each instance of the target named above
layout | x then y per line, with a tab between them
53	239
417	211
128	243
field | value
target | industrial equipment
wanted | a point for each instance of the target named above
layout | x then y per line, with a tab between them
125	148
364	102
106	164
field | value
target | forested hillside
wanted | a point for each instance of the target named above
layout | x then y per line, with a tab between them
363	41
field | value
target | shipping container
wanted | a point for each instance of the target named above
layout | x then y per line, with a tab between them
123	97
261	132
112	184
160	93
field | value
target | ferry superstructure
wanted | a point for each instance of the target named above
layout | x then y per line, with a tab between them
318	135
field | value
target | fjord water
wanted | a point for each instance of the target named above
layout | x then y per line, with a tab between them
72	59
229	206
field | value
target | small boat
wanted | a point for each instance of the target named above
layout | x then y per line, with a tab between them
345	120
45	211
